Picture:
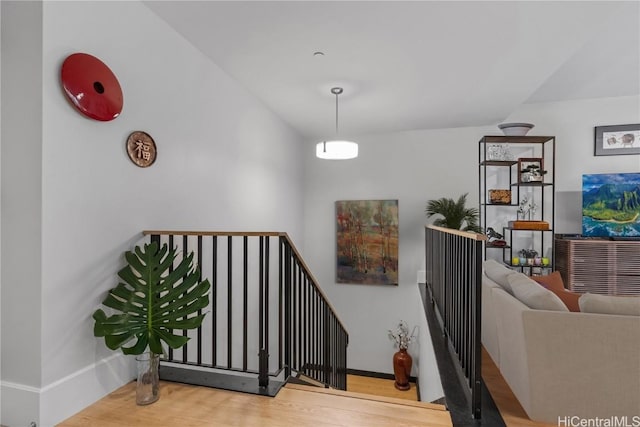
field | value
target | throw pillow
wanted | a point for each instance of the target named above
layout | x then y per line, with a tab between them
498	273
554	283
533	295
570	299
608	304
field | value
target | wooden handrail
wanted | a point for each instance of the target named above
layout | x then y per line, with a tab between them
467	234
254	234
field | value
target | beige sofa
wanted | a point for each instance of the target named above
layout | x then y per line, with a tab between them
558	363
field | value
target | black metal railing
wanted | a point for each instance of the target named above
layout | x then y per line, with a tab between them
267	315
453	279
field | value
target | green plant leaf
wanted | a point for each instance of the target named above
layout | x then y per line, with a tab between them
151	301
454	214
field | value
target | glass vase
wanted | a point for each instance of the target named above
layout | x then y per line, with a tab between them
147	388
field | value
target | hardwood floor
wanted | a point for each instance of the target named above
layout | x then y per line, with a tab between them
371	402
379	387
295	405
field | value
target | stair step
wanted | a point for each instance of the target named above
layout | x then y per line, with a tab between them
305	380
363	396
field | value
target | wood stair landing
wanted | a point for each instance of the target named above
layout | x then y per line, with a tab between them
360	409
295	405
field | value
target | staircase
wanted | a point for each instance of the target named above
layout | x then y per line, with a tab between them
268	319
270	332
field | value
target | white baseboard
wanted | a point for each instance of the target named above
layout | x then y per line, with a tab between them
20	405
59	400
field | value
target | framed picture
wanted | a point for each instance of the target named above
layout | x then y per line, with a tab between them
530	169
367	242
617	139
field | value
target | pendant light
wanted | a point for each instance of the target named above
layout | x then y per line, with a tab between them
337	149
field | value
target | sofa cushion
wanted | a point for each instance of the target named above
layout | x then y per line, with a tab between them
608	304
555	284
533	295
498	273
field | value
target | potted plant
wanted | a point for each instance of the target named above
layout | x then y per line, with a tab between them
454	214
150	302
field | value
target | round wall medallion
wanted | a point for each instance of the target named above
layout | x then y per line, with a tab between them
141	149
91	87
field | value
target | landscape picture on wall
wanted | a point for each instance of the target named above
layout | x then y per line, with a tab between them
611	205
367	242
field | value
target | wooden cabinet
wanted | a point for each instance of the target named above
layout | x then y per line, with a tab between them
503	161
598	266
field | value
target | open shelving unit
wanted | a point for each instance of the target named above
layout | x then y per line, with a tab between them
505	174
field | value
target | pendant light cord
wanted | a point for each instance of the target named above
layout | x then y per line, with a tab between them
336	114
336	91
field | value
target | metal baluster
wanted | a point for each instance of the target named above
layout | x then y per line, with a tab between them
245	297
170	353
267	299
229	300
185	251
214	300
199	331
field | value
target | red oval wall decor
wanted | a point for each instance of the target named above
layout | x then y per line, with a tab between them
91	87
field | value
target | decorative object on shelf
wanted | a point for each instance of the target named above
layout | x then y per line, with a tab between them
526	224
493	152
529	225
367	242
454	214
91	87
545	261
499	152
526	209
402	360
530	257
515	129
617	139
530	170
337	149
500	197
494	238
141	149
528	253
146	284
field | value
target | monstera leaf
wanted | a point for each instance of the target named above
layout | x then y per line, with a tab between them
152	301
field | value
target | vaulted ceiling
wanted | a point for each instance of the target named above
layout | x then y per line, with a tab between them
414	64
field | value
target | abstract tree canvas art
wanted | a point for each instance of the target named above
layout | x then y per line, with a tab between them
367	242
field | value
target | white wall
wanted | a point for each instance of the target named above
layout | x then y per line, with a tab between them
412	167
424	357
225	162
0	212
417	166
573	122
21	208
